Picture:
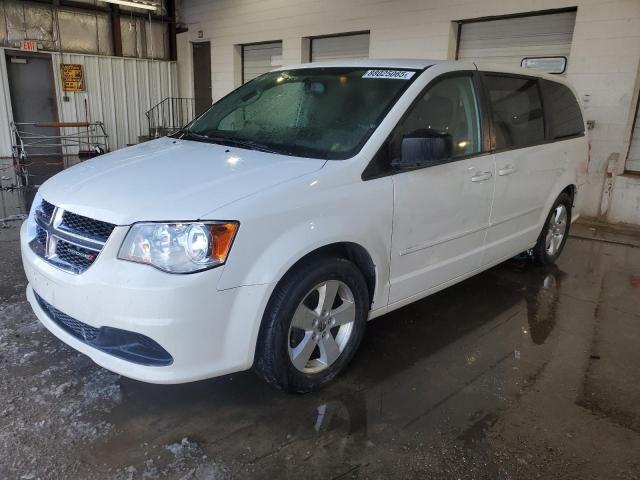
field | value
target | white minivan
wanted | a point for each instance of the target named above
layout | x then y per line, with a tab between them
269	230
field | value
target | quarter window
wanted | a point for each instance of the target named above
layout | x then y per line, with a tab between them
449	107
562	110
517	111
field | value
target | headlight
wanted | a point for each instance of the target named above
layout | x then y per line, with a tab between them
179	247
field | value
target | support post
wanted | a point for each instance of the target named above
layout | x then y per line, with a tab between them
116	33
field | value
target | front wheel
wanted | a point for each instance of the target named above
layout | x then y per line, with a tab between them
313	325
555	232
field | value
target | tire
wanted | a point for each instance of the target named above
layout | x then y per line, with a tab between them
554	232
294	327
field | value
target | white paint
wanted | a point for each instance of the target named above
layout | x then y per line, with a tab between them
604	55
118	92
209	321
624	206
134	180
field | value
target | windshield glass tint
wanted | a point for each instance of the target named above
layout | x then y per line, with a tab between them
323	113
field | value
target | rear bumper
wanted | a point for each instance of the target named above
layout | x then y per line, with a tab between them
207	332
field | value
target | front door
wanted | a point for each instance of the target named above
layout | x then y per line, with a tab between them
441	213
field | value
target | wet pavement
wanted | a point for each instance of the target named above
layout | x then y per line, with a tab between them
520	372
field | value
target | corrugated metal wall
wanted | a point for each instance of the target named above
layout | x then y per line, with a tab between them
5	109
118	92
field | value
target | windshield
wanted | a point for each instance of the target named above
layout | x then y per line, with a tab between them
324	113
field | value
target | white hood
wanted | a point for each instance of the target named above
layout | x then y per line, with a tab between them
169	179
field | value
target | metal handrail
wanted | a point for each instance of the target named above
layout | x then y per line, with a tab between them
169	115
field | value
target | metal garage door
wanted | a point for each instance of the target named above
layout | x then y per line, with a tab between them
507	41
260	58
340	46
633	162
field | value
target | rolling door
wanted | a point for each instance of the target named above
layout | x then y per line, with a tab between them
633	161
342	46
260	58
507	41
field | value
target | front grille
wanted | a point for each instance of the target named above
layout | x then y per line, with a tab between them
131	346
75	328
80	258
88	227
44	211
67	240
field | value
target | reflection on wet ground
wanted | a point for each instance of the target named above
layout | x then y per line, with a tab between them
520	372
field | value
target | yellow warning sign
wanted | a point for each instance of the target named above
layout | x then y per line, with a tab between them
72	77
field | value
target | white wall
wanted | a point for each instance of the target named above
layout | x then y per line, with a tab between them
605	55
118	92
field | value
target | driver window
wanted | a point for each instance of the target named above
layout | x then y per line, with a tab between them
273	108
448	107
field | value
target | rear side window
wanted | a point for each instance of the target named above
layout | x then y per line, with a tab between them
563	115
517	111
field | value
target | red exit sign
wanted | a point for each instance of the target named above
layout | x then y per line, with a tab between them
29	45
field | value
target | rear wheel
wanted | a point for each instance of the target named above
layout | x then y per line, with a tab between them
554	233
313	325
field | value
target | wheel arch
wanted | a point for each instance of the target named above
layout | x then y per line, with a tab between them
571	191
565	187
351	251
568	188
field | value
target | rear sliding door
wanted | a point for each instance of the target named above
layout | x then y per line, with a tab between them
526	165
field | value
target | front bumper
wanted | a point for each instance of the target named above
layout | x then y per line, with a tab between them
208	332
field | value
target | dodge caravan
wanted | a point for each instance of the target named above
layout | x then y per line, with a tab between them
268	231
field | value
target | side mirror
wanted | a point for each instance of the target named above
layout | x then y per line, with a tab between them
424	148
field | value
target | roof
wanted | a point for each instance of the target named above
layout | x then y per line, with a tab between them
368	63
417	64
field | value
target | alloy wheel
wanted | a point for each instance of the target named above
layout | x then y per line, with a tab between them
321	326
556	230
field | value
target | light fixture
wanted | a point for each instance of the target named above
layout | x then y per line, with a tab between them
144	6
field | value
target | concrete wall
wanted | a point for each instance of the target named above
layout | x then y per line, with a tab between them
604	64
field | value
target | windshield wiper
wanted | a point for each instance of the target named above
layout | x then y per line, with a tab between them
241	143
185	134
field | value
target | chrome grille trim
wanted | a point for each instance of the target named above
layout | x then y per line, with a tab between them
71	249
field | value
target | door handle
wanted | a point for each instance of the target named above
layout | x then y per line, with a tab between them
481	176
508	170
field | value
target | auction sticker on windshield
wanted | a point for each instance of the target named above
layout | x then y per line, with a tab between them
392	74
